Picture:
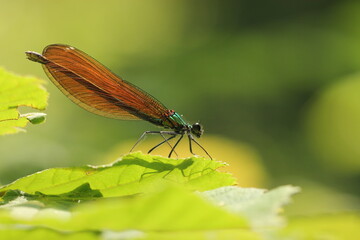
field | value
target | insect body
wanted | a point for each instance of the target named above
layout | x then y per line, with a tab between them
95	88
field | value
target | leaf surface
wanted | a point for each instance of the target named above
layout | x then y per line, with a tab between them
260	206
16	91
133	173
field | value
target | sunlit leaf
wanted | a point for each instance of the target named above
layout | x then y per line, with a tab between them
64	200
172	211
34	118
261	207
18	91
22	232
133	173
328	226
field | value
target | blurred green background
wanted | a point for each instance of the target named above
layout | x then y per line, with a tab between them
275	83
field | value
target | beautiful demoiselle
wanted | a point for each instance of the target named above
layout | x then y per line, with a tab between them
95	88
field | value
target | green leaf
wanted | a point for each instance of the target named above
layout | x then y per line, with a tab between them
261	207
45	233
134	173
171	212
31	233
330	226
222	234
65	200
18	91
34	118
172	208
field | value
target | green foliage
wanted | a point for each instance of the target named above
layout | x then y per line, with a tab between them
138	197
151	197
249	70
134	173
258	205
64	200
20	91
329	226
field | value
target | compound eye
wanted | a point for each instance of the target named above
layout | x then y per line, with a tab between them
197	129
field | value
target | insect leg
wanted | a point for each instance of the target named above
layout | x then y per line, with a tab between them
166	140
161	133
170	133
190	145
173	149
142	136
191	138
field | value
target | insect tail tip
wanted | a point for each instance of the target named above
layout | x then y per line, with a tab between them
36	57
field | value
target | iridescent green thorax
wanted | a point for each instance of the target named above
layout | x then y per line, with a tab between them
174	120
178	119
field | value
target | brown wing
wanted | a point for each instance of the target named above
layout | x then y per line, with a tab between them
95	88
